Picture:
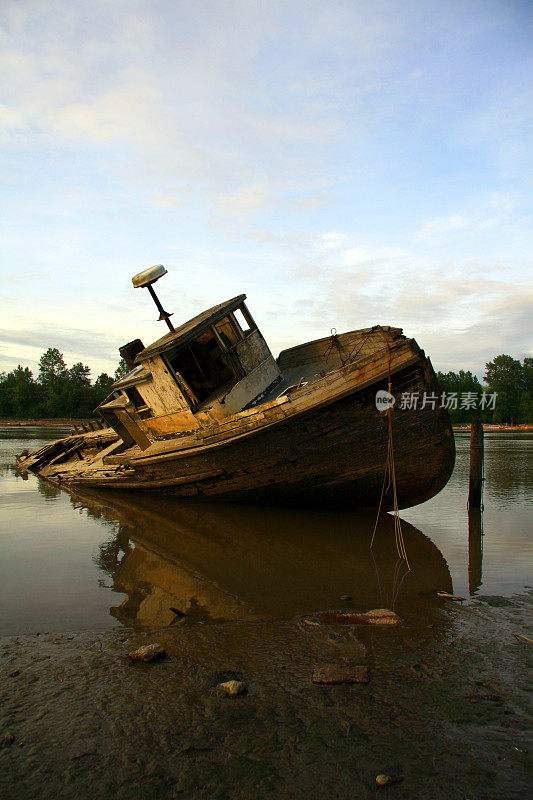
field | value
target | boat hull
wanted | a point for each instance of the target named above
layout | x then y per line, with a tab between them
333	456
325	445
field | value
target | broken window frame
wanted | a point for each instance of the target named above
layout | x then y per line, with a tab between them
233	362
135	398
188	390
247	318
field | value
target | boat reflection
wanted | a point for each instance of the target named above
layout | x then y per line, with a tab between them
230	562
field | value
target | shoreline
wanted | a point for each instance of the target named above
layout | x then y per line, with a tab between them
489	426
60	422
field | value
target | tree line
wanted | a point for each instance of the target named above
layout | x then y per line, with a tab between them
57	392
61	391
508	390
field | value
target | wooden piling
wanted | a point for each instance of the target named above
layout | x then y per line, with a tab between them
475	492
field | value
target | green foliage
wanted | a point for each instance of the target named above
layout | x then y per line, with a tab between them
507	376
57	392
19	394
460	383
512	382
51	366
121	370
103	384
526	401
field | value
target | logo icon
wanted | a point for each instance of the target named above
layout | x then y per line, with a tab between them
384	400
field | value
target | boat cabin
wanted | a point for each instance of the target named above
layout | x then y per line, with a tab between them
211	367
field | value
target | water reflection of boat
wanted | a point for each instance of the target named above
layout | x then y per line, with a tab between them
228	562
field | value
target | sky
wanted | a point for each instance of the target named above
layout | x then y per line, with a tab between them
343	163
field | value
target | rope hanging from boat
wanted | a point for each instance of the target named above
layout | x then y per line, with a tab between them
390	473
390	467
334	342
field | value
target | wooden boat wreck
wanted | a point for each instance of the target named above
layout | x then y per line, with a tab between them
207	412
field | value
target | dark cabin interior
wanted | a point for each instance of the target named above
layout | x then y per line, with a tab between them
205	365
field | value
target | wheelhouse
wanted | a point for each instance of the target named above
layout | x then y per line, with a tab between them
212	366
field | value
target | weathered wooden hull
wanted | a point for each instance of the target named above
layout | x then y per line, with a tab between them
333	456
322	445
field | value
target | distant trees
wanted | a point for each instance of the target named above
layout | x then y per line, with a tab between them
505	375
20	396
526	402
507	378
459	383
52	379
121	370
58	391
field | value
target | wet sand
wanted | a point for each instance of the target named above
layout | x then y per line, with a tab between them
447	704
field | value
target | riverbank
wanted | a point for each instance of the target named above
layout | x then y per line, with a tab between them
490	427
446	709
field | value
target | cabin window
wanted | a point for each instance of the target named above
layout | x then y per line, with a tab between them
135	398
244	324
204	365
229	332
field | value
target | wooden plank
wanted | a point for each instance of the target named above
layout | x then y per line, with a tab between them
133	429
171	423
163	395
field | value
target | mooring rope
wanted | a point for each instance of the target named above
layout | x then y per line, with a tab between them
390	466
390	473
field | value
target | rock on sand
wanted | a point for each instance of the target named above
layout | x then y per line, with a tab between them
148	652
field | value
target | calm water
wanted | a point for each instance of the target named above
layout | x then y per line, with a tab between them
94	560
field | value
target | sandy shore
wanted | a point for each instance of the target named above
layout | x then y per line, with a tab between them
446	705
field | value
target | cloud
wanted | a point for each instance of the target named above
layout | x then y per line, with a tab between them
245	200
207	95
75	343
464	312
493	213
339	161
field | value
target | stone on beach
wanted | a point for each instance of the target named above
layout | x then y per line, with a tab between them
341	673
386	780
233	688
381	616
7	740
148	652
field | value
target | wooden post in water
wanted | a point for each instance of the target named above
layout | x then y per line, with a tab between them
475	491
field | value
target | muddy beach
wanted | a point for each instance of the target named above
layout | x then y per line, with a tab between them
446	709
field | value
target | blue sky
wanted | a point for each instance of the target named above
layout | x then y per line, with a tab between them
342	163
